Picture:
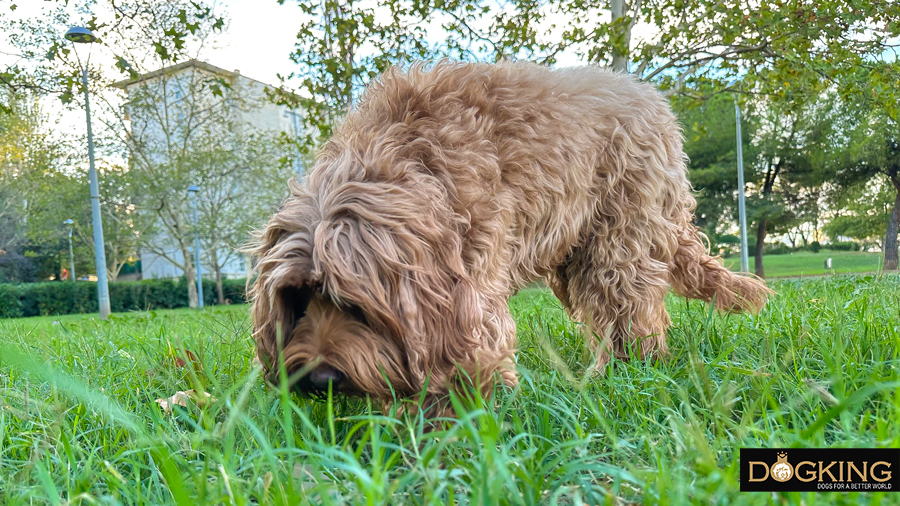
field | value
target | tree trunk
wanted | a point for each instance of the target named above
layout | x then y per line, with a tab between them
219	291
620	57
760	242
191	276
890	238
218	268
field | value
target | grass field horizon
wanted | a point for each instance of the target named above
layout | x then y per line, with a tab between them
817	367
807	263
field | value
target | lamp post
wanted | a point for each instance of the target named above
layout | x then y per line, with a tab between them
69	223
742	210
81	35
193	189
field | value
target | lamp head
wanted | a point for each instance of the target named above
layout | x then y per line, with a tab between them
80	35
68	222
193	188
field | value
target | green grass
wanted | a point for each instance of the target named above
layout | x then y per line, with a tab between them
807	263
818	367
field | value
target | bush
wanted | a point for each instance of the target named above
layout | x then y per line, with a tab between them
779	248
235	291
10	306
844	246
15	268
815	246
62	297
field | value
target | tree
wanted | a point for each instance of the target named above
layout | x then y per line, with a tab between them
871	169
135	34
709	142
244	186
124	226
29	165
131	32
342	46
186	129
768	42
42	185
795	158
863	211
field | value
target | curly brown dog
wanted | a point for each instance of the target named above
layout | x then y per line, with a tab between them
389	268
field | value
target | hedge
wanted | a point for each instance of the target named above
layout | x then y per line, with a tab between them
61	297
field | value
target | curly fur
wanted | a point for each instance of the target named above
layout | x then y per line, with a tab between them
449	188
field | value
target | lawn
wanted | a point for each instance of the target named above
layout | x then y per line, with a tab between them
818	367
807	263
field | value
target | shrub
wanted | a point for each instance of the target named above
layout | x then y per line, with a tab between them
15	268
10	306
776	249
61	297
235	291
844	246
815	246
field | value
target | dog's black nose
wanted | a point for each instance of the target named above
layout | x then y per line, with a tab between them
324	374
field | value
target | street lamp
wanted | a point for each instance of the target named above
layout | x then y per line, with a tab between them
193	189
81	35
69	223
742	210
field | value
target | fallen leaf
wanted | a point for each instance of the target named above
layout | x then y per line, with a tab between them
181	398
180	363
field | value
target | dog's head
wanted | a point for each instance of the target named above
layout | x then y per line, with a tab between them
361	285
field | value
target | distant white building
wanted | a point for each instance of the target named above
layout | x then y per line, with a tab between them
262	115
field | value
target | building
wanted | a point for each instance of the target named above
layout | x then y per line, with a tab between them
197	88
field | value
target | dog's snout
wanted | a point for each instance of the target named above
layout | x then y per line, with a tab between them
322	375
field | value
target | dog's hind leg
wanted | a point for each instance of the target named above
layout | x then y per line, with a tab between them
613	286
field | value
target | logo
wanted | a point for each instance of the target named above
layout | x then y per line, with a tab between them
782	471
820	469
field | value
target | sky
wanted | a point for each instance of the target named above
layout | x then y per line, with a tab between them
261	36
259	39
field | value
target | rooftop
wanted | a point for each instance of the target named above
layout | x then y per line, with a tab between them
173	69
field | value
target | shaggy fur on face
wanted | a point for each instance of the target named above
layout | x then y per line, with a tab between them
389	268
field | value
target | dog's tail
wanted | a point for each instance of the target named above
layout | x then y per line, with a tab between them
695	274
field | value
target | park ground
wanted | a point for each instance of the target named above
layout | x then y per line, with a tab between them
807	263
817	367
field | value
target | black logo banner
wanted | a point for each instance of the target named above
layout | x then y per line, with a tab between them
820	469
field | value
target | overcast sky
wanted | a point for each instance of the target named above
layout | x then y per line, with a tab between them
259	39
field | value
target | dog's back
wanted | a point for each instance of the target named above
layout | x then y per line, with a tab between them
561	174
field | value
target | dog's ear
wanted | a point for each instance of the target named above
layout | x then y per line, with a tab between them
398	254
284	281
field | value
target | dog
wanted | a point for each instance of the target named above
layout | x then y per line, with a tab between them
388	270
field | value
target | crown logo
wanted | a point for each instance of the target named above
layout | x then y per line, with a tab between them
782	471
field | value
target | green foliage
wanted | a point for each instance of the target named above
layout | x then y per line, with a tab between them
60	297
863	220
342	46
39	190
844	246
867	182
654	432
711	146
135	31
10	303
779	248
